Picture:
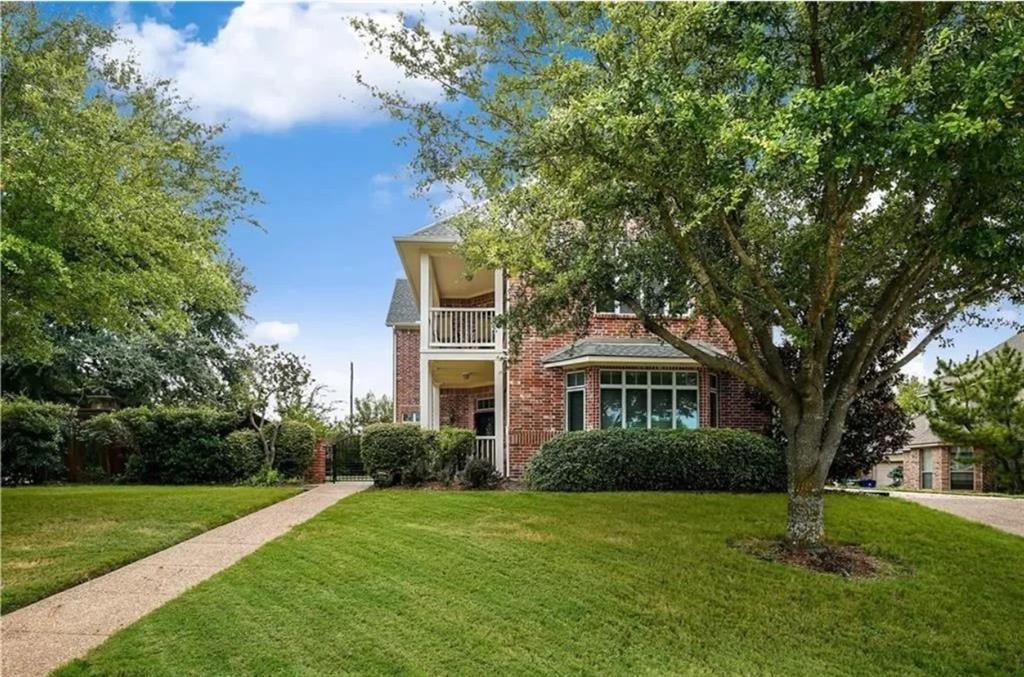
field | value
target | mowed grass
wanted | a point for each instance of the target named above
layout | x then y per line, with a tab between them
517	583
56	537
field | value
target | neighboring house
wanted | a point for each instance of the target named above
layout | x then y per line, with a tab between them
451	365
931	463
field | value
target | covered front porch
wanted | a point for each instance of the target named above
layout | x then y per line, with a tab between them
466	392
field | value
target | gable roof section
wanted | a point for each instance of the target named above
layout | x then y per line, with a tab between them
1016	342
609	350
439	231
403	310
921	434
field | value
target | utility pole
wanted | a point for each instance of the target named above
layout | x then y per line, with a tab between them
351	395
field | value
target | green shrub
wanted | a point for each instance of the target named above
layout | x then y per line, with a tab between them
449	450
479	474
264	477
708	459
175	445
34	441
134	469
395	453
246	451
294	448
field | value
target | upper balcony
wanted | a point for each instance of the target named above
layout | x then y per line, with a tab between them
456	307
462	328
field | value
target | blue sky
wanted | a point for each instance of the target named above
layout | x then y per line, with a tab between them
310	140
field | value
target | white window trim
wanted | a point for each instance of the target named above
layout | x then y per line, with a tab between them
570	389
714	381
477	406
622	386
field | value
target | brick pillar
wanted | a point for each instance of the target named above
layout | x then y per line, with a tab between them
316	473
979	477
912	469
941	481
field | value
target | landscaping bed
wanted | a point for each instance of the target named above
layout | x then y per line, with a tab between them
55	537
428	582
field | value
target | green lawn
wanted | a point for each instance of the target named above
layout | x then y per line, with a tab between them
407	582
56	537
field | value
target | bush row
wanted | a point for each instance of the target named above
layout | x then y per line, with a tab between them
406	454
163	445
706	459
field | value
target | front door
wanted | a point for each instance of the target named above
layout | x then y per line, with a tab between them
483	423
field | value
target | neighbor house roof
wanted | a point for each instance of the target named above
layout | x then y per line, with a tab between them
921	434
403	308
1016	342
624	351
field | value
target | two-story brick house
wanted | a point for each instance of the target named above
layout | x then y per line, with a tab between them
451	365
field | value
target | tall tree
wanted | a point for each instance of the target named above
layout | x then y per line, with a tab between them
774	167
273	385
115	201
912	396
979	403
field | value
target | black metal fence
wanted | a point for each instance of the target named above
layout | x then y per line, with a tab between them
343	459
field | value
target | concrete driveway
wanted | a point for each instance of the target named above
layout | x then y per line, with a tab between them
1002	513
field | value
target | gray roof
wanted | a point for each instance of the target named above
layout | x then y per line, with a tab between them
441	231
647	348
403	308
1016	342
921	434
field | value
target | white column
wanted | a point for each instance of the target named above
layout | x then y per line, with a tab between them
425	278
425	392
499	306
435	408
499	414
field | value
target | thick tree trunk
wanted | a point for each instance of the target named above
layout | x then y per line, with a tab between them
807	464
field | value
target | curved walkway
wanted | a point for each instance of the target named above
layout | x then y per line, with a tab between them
40	637
1000	512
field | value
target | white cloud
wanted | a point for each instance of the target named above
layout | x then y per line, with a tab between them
272	66
919	368
274	331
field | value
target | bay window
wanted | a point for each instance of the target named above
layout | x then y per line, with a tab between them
575	398
633	398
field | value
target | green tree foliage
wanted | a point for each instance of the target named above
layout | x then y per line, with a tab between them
912	396
771	166
115	201
979	403
273	386
369	409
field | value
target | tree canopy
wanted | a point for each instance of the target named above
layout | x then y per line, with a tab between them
776	167
115	201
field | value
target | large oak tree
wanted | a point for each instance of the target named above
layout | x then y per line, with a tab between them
781	167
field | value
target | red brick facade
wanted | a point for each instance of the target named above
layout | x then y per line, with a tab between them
535	410
407	372
458	405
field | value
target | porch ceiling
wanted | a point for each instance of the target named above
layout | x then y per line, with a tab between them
462	373
449	270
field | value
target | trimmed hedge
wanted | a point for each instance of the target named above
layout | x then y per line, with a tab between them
294	449
34	441
405	453
453	447
395	453
706	459
177	445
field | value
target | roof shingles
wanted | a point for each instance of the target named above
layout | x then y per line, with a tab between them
403	308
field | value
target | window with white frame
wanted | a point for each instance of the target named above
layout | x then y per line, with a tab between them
485	404
961	469
575	400
713	402
632	398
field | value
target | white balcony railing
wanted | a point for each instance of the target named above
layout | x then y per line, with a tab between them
462	327
485	449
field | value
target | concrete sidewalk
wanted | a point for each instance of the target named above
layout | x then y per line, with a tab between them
1002	513
42	636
